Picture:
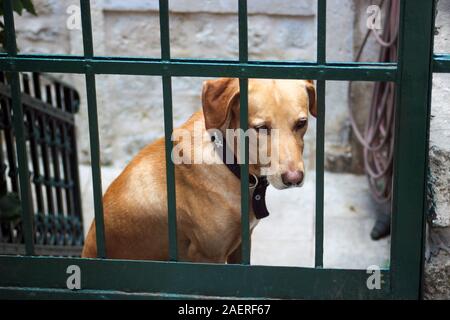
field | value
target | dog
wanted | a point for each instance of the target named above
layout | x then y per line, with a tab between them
207	195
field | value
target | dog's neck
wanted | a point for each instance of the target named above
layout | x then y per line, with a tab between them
257	184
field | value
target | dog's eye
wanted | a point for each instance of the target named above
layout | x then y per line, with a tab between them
262	129
300	124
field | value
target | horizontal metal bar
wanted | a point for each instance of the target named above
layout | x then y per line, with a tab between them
40	106
41	250
202	68
441	63
192	279
20	293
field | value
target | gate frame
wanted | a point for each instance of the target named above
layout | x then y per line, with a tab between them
45	277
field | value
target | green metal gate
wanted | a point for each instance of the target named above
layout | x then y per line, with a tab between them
34	276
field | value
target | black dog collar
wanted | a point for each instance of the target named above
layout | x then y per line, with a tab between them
258	184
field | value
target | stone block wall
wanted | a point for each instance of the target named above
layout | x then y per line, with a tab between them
130	107
437	265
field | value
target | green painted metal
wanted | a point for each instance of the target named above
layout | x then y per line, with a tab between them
168	128
192	279
93	130
202	68
243	113
115	278
18	116
441	63
320	134
95	164
320	164
411	146
322	32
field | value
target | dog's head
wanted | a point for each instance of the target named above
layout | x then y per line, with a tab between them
278	119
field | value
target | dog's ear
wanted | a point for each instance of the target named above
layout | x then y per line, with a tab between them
218	98
311	89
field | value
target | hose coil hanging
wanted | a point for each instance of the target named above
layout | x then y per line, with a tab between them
378	136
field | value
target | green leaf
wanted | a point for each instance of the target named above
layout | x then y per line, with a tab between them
10	208
28	5
17	6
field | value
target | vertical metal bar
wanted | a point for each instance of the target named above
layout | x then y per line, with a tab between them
320	163
320	133
54	148
10	150
65	155
36	85
87	28
168	128
95	163
243	86
6	228
93	129
321	31
18	121
3	166
44	142
243	31
76	190
164	29
411	146
26	83
33	133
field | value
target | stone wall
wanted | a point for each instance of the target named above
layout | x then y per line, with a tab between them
437	266
130	107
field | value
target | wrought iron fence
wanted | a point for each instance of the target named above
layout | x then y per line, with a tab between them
49	128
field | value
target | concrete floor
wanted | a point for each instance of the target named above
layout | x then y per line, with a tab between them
286	237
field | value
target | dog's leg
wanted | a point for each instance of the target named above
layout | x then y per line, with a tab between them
236	256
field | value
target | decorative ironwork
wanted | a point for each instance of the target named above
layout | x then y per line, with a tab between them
48	106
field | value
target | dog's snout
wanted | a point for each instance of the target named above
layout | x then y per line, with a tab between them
292	178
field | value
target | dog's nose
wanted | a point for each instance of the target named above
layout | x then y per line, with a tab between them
292	178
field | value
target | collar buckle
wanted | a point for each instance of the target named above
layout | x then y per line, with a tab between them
253	184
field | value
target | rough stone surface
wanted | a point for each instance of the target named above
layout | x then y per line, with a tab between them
437	267
440	174
437	275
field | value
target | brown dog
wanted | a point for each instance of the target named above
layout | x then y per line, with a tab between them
207	195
